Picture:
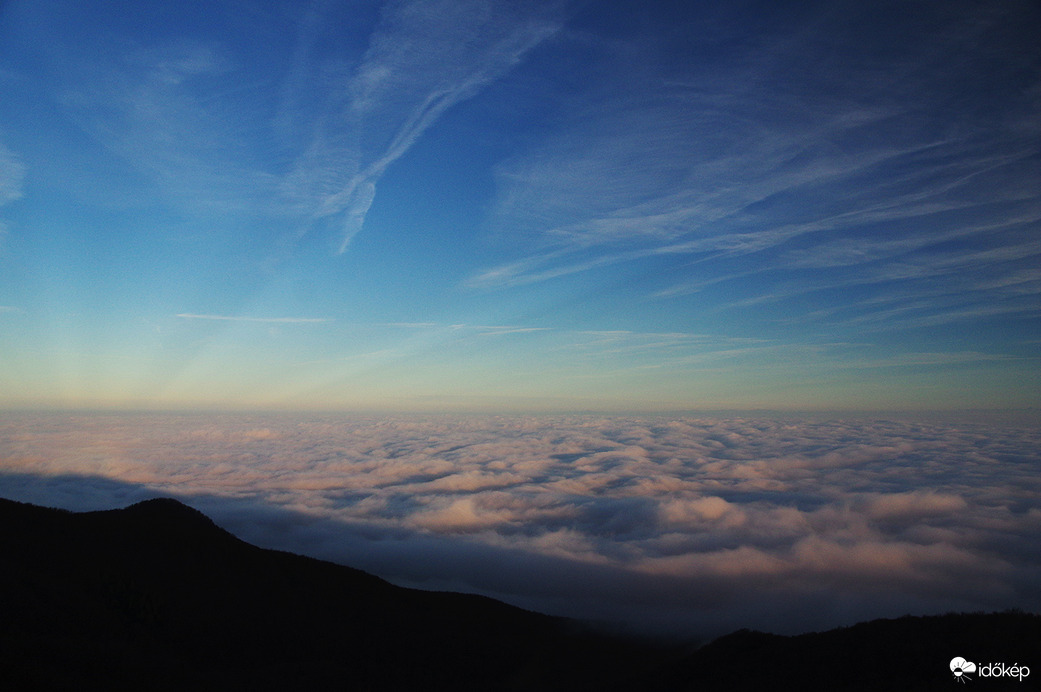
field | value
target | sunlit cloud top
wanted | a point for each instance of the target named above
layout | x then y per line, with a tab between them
464	204
702	523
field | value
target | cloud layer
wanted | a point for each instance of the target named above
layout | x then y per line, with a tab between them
702	524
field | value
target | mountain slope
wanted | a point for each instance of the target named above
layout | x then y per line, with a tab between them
156	596
908	653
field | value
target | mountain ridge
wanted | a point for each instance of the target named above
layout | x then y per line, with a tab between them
163	582
158	596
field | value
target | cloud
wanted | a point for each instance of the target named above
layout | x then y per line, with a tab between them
423	58
807	157
461	515
913	505
193	115
240	318
698	523
12	174
167	111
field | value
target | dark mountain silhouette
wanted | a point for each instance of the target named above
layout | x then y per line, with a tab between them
156	596
909	653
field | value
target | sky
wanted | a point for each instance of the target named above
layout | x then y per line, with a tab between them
506	205
690	525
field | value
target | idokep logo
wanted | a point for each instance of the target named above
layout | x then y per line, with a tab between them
961	669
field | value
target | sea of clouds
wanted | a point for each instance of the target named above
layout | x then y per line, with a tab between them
695	524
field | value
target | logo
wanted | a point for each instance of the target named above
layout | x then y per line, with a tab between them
961	669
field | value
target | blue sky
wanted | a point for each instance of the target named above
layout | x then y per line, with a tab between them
511	205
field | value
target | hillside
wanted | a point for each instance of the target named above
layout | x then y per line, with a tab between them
156	596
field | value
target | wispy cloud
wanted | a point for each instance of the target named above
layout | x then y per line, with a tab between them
458	326
798	160
916	360
720	223
168	112
602	342
12	173
424	58
172	111
242	318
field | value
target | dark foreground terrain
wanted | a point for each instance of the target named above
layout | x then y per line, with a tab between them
156	596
